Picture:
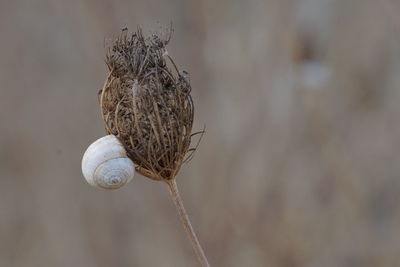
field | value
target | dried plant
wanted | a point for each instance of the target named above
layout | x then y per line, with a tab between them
146	103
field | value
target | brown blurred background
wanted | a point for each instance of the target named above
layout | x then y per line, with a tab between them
300	165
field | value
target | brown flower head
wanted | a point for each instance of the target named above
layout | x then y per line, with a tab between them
146	103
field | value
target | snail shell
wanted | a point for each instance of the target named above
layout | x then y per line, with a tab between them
106	165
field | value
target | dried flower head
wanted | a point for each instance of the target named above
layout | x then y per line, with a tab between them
147	105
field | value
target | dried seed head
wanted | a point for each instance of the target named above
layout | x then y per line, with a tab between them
147	105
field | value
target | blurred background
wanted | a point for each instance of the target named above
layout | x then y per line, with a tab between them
299	165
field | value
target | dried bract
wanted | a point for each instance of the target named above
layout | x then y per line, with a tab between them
147	105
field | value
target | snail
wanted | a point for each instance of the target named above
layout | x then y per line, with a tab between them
106	165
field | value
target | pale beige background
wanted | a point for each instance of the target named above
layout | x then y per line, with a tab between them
300	165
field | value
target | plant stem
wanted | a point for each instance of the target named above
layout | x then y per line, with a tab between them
173	188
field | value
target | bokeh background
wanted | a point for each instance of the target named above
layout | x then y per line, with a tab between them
300	165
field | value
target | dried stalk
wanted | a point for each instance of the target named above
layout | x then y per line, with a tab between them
201	257
150	109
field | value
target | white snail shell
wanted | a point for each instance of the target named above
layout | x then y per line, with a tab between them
106	165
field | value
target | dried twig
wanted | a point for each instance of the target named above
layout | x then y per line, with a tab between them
150	109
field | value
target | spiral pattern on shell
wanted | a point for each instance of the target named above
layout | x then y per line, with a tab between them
106	165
